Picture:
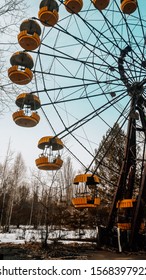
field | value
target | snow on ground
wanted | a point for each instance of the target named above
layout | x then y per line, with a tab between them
23	235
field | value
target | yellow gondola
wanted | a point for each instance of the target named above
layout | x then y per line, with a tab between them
27	115
21	119
128	6
48	13
43	163
29	36
49	160
23	75
50	141
101	4
86	191
125	203
125	213
124	219
73	6
28	99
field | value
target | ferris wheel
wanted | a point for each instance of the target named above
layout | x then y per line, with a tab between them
86	62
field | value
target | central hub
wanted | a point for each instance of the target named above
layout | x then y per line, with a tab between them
136	88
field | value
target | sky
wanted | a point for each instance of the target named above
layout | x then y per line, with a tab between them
25	140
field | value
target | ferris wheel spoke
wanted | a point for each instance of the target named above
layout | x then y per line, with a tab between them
87	69
89	46
88	117
129	31
143	40
127	44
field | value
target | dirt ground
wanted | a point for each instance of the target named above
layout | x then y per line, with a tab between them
35	251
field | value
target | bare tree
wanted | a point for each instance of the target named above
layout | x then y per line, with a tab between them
22	205
10	180
11	13
4	175
65	181
17	173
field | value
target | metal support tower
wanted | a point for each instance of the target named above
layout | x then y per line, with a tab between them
126	182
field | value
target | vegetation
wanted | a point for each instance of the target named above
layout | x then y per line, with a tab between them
45	198
33	201
108	161
11	12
